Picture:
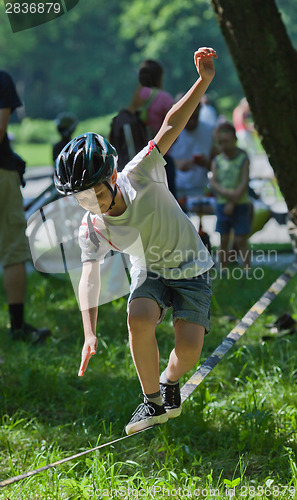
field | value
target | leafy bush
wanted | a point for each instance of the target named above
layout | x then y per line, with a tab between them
31	131
34	131
100	125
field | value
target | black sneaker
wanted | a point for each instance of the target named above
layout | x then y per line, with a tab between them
146	415
30	334
171	399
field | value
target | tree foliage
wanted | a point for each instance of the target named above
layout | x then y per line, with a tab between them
171	32
86	61
69	62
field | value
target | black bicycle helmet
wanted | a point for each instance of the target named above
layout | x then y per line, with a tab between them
85	161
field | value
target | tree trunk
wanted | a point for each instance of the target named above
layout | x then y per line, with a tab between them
266	63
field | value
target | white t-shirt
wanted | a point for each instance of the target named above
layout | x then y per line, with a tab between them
153	230
190	143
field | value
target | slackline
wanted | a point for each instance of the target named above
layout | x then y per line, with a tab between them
237	332
192	383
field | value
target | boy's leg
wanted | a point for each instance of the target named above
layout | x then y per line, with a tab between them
143	317
189	339
188	345
142	320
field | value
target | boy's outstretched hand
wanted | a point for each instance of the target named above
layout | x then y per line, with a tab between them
203	59
89	349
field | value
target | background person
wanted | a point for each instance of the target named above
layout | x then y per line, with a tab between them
244	127
230	180
66	125
155	103
192	155
208	112
14	249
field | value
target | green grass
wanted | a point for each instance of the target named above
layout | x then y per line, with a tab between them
237	432
35	155
271	247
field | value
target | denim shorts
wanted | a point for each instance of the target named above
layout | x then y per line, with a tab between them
188	298
240	220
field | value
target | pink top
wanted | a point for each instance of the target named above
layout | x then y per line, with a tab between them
158	108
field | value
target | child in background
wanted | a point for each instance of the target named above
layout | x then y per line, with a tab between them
230	180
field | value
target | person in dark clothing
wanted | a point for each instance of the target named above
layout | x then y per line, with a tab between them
14	248
66	125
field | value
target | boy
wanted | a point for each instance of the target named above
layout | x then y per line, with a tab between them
175	258
230	180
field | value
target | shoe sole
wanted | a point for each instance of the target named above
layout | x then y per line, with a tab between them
143	424
174	412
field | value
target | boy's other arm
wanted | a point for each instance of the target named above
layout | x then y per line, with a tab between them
178	116
89	289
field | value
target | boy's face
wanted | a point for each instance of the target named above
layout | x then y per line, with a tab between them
226	142
96	199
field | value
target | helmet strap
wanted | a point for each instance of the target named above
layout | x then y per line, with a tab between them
113	192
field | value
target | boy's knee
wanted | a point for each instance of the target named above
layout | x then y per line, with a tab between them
141	318
136	321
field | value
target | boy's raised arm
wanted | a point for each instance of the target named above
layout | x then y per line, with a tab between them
178	116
